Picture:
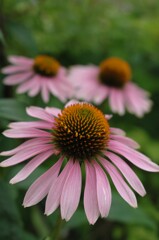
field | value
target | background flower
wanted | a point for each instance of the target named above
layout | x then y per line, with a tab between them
44	75
112	80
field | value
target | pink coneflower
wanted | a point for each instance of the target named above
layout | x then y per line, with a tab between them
111	79
44	75
80	135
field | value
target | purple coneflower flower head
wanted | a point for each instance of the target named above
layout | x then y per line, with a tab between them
80	135
44	75
112	80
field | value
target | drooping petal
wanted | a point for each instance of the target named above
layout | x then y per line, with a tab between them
35	124
26	86
54	89
116	101
25	133
40	188
133	156
44	91
90	194
21	61
125	140
31	166
54	195
40	113
36	89
15	69
117	131
137	100
17	78
53	111
25	154
128	173
121	186
85	82
63	91
65	87
80	75
71	192
29	143
101	94
103	190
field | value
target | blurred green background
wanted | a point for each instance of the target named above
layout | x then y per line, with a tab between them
82	32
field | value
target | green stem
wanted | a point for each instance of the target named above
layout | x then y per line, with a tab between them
56	233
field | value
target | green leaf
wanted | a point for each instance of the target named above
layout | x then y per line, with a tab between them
9	210
10	224
13	110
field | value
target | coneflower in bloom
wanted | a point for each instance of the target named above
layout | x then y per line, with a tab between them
44	75
112	80
80	134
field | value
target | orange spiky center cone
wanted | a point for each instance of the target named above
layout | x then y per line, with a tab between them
81	131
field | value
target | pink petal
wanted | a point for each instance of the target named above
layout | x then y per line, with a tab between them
125	140
128	173
117	131
31	166
36	89
26	86
44	91
40	188
27	144
35	124
108	116
121	186
87	91
71	102
101	94
22	61
17	78
56	91
15	69
103	190
53	111
132	87
25	154
90	194
79	75
25	133
116	101
32	86
71	192
85	81
133	156
40	113
54	195
65	87
137	100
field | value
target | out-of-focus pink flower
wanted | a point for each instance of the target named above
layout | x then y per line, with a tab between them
44	75
112	80
80	135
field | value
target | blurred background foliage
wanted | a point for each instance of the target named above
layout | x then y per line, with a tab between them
82	32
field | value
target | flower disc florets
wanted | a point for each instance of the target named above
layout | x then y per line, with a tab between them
46	65
81	131
114	72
